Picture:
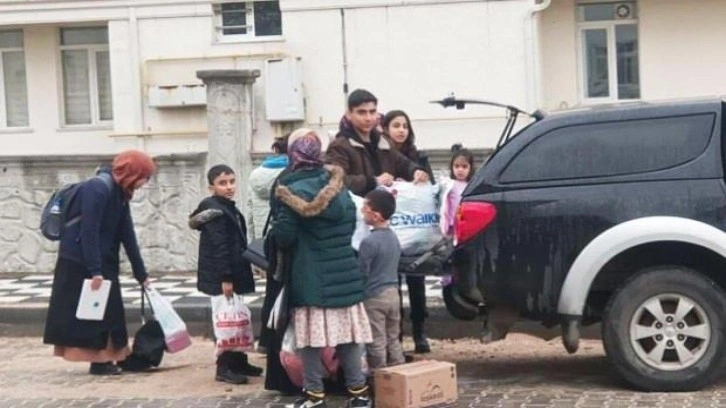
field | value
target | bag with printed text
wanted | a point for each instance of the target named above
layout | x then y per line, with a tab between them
232	324
416	220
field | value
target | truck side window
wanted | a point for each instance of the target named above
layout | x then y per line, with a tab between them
611	149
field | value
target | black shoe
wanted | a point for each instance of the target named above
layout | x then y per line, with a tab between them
309	400
104	369
239	363
422	346
224	374
359	402
420	341
249	369
359	398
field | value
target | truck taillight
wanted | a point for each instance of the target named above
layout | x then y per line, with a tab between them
471	219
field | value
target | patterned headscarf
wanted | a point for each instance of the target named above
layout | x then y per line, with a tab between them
305	149
129	167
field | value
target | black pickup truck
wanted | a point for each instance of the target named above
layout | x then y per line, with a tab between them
611	215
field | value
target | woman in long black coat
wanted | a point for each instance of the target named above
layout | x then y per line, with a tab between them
276	378
89	249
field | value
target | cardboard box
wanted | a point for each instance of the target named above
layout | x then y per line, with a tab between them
422	384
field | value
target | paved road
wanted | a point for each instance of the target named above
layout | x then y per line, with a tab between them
519	372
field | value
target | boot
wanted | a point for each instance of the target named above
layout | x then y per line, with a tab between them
239	363
225	373
104	369
419	338
309	400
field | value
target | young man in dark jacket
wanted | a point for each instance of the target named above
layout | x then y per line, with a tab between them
367	158
222	270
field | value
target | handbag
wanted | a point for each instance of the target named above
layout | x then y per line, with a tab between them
255	254
148	348
263	253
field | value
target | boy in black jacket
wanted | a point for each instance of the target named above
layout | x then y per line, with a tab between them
222	270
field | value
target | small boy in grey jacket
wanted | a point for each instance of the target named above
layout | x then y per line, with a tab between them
378	257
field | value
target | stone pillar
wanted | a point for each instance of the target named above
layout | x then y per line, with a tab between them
229	123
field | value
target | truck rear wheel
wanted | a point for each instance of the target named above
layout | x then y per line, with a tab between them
663	330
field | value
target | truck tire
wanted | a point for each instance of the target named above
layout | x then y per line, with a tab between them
663	330
457	306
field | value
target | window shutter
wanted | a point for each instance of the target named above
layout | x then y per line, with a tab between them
76	87
16	92
103	74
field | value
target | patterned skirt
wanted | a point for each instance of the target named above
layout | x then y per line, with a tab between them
323	327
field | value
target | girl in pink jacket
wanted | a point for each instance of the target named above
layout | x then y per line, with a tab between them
461	170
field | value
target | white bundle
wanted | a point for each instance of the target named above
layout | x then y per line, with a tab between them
416	221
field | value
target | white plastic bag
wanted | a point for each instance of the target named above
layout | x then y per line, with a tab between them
361	229
288	339
278	312
175	331
232	322
416	221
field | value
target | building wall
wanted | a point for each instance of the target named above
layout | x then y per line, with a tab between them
407	54
45	135
681	56
559	56
678	56
160	210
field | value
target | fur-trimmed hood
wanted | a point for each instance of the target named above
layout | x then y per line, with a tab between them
198	219
321	201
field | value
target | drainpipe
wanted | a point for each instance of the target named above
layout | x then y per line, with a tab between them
532	55
345	52
136	75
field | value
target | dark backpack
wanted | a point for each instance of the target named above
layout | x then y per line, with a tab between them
54	216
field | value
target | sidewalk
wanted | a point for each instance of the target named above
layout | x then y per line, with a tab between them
521	371
24	303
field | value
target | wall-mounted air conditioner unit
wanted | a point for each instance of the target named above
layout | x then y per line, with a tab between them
177	96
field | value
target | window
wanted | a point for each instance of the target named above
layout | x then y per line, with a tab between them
86	76
13	88
608	34
240	20
611	149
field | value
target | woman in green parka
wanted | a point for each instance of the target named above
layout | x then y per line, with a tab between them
315	223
